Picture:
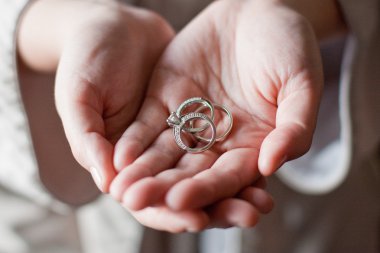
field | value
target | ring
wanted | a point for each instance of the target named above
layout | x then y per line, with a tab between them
226	132
179	124
191	101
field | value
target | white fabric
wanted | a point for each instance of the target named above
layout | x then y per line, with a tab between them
221	241
104	226
29	227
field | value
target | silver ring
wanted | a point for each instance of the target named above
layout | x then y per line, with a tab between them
178	125
226	132
191	101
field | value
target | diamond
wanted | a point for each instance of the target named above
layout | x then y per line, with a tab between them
173	120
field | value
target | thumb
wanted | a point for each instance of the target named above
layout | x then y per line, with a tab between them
295	124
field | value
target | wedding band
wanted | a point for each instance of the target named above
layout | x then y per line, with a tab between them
226	132
178	125
191	101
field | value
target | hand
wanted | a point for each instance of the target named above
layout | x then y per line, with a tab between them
241	211
101	79
261	60
106	53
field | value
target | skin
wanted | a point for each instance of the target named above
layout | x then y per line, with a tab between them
244	59
100	51
259	59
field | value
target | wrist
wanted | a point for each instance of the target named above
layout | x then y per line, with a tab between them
324	16
47	26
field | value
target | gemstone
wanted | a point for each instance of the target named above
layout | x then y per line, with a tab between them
173	120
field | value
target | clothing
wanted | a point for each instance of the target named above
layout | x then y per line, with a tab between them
314	195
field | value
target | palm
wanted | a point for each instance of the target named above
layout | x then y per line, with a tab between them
101	80
255	64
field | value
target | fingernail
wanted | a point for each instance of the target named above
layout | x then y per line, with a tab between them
96	176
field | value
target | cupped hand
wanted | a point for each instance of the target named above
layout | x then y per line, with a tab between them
103	72
243	210
106	53
261	61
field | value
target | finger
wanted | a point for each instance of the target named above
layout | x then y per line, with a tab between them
161	155
257	197
81	115
150	191
99	152
232	213
295	123
150	122
162	218
230	173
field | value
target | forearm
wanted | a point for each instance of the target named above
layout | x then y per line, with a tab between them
47	24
